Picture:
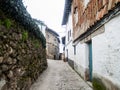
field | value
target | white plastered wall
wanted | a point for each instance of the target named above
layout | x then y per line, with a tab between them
81	59
106	51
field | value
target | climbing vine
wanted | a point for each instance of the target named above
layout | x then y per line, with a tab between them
15	10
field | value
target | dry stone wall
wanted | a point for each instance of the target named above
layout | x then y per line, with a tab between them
22	47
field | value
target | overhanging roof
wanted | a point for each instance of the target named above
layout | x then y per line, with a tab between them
67	9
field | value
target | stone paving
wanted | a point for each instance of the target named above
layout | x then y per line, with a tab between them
59	76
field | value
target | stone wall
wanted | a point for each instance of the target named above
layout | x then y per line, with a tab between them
22	47
22	58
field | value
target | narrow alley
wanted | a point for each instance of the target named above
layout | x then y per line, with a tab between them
59	76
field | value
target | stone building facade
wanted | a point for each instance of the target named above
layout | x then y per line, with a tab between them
95	48
52	44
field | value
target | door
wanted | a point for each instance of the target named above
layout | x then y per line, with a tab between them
90	60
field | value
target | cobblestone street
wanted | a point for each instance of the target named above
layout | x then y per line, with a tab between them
59	76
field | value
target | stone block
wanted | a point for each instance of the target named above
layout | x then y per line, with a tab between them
2	83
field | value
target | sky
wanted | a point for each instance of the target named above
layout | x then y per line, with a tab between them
48	11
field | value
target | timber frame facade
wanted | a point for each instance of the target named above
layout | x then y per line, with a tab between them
92	16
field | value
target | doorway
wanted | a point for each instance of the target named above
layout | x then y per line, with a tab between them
54	57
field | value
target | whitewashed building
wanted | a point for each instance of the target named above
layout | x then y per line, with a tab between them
95	46
41	26
75	53
67	22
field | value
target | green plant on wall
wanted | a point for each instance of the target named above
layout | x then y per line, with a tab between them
24	36
36	43
7	23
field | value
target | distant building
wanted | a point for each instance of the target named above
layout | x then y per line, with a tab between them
52	44
42	26
52	40
67	21
62	53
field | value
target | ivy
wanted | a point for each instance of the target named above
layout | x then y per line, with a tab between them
8	23
36	43
24	36
15	10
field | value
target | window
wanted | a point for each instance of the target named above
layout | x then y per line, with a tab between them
74	50
48	36
68	35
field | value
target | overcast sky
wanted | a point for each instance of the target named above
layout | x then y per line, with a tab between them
49	11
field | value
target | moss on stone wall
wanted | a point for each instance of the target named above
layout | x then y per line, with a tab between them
103	83
98	84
